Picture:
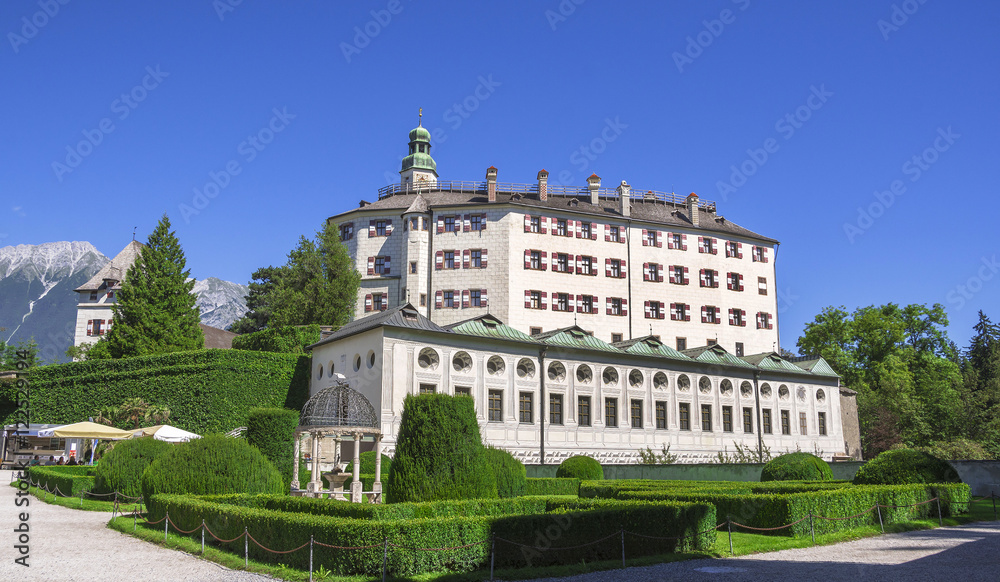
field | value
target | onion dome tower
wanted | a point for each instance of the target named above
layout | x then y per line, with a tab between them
418	167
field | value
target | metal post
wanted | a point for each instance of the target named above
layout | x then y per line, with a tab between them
134	519
246	547
493	554
385	557
812	529
202	536
81	500
311	557
623	548
940	520
729	525
879	510
994	498
166	523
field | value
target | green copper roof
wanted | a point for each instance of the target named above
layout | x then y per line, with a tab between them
652	347
816	365
421	160
420	134
575	337
772	361
715	355
490	327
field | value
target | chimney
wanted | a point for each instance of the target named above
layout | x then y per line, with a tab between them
594	184
491	184
692	204
543	185
625	197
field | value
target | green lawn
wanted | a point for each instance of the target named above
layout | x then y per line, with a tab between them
89	504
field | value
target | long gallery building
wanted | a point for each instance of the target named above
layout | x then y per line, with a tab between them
581	320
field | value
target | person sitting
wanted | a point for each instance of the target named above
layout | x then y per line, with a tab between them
34	462
52	460
72	462
60	461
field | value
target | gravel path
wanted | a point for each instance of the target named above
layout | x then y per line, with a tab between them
68	545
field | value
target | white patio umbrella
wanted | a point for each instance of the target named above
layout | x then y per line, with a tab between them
165	432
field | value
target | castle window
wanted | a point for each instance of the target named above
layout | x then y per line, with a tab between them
821	423
496	406
449	224
524	408
748	420
449	299
476	298
536	224
93	295
449	259
786	423
586	229
615	234
684	416
555	409
561	227
347	231
477	258
583	411
762	285
727	419
611	412
636	413
706	417
476	222
380	227
562	262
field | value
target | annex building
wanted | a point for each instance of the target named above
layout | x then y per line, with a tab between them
581	320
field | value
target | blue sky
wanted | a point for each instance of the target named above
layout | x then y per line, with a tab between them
862	135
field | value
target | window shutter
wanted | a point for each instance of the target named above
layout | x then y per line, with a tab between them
570	264
729	281
764	254
701	277
662	314
686	280
484	258
621	234
739	250
715	245
622	275
645	241
607	267
570	302
739	282
371	228
576	229
593	266
90	327
607	304
543	224
465	298
371	265
466	258
593	231
439	260
543	263
673	312
388	265
684	242
438	299
440	224
704	315
659	273
673	275
732	317
624	306
388	227
527	299
659	239
466	223
555	263
701	244
483	302
579	269
527	223
527	259
593	304
715	279
607	233
648	311
670	240
544	299
758	320
743	318
482	223
579	303
368	302
555	301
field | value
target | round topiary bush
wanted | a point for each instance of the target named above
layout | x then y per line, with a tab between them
210	465
272	430
905	466
510	474
368	465
439	453
580	467
796	467
121	469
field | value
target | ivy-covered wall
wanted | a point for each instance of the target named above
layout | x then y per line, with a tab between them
206	390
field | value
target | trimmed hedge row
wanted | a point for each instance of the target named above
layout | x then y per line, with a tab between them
289	339
72	481
565	524
206	390
272	431
610	489
552	486
771	510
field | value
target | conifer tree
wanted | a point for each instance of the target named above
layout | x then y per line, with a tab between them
156	311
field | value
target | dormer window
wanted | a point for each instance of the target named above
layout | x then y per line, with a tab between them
93	295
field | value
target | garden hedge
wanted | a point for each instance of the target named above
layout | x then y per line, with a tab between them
121	469
580	467
210	465
509	473
569	524
439	452
905	466
206	390
71	480
272	431
368	465
796	467
552	486
289	339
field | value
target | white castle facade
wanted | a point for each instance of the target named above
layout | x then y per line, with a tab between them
580	320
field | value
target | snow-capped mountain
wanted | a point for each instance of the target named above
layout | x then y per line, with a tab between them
37	297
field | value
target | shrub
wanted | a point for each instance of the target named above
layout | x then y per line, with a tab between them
903	466
796	467
210	465
71	481
958	449
207	391
272	430
121	469
510	474
580	467
368	465
439	453
289	339
552	486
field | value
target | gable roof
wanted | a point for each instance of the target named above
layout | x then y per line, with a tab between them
715	355
772	361
814	365
488	326
115	269
574	337
650	346
400	316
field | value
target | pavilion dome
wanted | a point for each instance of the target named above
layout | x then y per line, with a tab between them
338	405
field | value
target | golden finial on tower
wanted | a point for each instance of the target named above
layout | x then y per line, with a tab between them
420	117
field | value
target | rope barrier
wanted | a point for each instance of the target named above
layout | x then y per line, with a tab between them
564	547
716	528
275	551
220	539
770	528
347	547
182	531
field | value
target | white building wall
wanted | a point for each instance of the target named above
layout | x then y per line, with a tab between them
89	309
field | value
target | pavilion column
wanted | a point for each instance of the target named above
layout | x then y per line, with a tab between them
295	460
315	483
377	487
356	483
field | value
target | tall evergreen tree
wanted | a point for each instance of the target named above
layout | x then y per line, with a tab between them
318	284
981	368
156	311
